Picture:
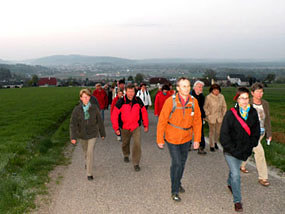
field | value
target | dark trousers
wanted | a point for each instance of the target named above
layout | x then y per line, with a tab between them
202	143
126	140
178	154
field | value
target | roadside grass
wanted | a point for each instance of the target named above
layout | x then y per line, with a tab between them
34	130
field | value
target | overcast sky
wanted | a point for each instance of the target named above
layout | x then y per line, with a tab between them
139	29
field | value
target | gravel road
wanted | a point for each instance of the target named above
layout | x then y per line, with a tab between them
117	188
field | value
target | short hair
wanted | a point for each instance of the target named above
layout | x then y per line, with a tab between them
130	86
98	84
86	91
122	81
165	87
182	78
256	86
215	86
120	90
143	84
198	82
240	91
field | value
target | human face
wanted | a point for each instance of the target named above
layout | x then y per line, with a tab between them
257	94
183	88
120	94
216	92
85	98
143	88
198	88
243	100
130	93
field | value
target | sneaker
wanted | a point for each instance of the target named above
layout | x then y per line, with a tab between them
216	146
201	151
175	197
90	178
119	138
181	189
126	159
212	149
137	168
238	207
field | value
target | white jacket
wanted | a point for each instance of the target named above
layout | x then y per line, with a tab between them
145	97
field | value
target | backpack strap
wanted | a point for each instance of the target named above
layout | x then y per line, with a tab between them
241	121
173	105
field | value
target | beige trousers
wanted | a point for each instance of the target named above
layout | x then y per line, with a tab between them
88	149
214	133
259	160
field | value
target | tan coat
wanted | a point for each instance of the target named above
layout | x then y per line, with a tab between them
215	108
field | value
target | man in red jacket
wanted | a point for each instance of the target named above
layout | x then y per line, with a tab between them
130	110
102	98
160	99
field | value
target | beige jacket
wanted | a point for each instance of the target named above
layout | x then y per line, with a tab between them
215	108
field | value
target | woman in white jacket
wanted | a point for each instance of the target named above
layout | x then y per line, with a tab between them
144	95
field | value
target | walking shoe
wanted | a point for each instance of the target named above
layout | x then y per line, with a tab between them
212	149
181	189
189	148
119	138
216	146
175	197
90	178
230	188
137	168
126	159
201	151
238	207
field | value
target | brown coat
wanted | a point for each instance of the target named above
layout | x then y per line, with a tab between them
215	108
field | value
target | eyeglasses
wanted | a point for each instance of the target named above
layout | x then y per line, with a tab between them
243	98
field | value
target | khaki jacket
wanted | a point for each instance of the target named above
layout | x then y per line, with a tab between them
215	108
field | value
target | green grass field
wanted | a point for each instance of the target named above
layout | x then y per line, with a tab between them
34	130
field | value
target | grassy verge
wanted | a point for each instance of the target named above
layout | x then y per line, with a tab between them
33	141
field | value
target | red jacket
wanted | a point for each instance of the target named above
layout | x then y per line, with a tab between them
131	113
159	101
102	98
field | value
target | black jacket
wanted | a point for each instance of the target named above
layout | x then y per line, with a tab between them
86	129
201	101
234	138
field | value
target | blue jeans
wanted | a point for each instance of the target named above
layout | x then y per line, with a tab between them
179	154
234	176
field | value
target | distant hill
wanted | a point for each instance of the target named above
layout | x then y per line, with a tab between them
26	70
77	59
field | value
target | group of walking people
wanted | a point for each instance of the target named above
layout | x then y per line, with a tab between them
181	117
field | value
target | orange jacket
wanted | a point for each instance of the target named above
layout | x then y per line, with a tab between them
181	118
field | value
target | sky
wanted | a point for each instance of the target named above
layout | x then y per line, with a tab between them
141	29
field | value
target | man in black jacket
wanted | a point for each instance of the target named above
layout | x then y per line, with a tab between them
197	92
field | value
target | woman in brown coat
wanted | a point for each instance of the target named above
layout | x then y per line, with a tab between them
215	108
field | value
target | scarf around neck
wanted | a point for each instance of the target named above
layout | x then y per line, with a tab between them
85	109
244	113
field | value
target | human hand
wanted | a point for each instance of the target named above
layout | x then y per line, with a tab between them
118	132
145	129
270	138
196	145
160	145
102	138
73	141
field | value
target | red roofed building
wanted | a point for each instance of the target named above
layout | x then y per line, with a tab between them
47	81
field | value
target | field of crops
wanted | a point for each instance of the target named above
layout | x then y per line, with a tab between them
33	129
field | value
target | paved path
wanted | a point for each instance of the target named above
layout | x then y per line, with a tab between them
117	188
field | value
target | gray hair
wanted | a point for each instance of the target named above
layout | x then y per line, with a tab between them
198	82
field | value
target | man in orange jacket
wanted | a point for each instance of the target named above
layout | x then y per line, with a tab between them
176	128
